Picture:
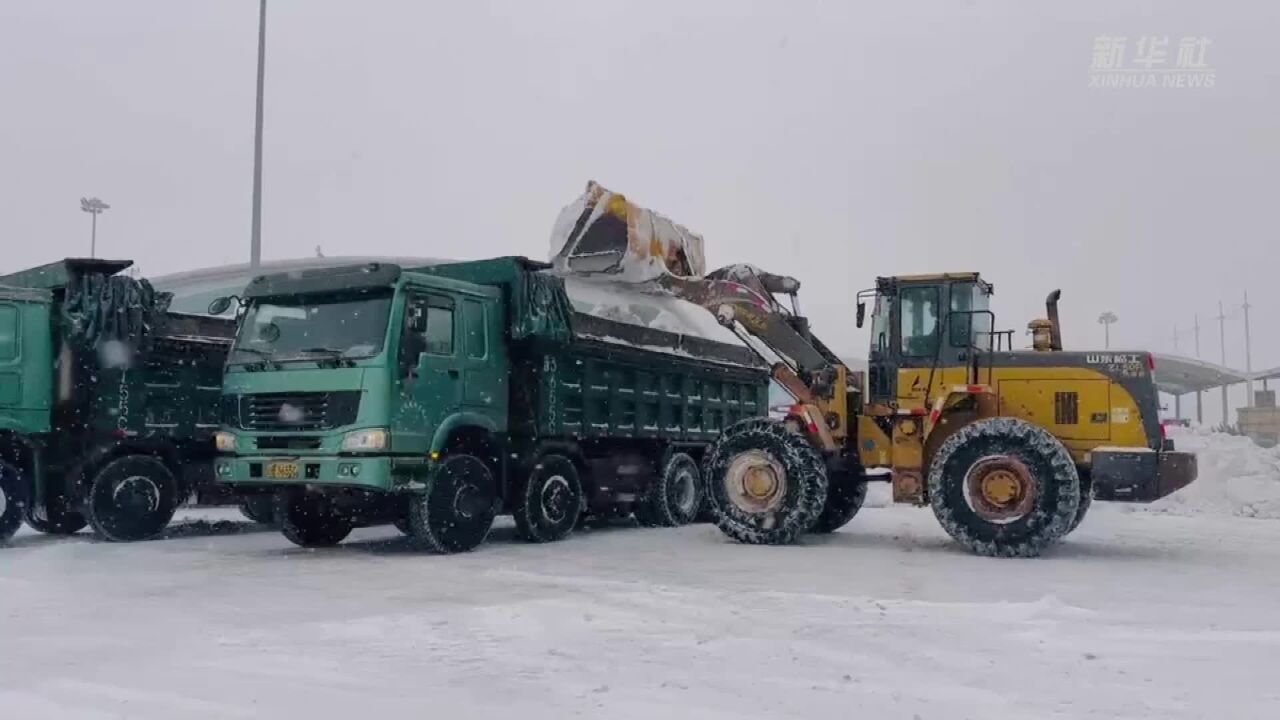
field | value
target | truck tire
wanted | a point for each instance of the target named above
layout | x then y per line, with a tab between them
549	501
1003	487
456	511
846	491
55	518
13	499
131	498
259	508
675	497
310	519
768	485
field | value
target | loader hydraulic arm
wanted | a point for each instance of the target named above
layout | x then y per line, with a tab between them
744	296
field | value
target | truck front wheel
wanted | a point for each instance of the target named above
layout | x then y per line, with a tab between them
131	498
13	494
549	502
456	511
1003	487
310	519
768	485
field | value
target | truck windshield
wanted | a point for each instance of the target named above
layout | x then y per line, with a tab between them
306	328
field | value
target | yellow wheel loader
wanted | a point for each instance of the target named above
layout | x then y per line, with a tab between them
1009	447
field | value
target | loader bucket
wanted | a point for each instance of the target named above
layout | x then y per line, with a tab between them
603	232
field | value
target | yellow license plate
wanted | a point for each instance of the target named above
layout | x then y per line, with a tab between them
282	471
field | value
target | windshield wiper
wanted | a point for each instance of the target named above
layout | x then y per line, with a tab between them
338	356
266	362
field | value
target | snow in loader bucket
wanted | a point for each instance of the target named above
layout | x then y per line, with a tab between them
603	232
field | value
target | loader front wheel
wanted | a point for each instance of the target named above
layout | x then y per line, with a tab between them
1003	487
846	491
767	485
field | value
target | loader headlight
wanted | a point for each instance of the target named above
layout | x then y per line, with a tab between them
224	441
366	440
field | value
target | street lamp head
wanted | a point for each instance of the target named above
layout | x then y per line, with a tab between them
93	205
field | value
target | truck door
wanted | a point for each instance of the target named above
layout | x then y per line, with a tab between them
431	369
484	374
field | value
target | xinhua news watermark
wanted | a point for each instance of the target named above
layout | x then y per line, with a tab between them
1151	61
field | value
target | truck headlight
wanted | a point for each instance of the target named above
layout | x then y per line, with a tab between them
366	440
224	441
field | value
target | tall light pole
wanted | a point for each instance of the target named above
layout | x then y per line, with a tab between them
94	206
255	241
1106	319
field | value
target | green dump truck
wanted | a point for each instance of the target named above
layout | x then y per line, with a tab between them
438	397
108	402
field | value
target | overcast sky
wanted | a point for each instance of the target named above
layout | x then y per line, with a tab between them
835	141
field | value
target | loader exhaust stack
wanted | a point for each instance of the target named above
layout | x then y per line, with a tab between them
1051	306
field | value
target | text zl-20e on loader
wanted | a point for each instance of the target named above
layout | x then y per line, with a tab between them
1009	447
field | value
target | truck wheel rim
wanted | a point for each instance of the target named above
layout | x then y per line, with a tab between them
555	498
137	493
686	491
1001	488
755	481
466	503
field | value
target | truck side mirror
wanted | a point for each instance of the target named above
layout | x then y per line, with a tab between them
862	312
220	305
417	320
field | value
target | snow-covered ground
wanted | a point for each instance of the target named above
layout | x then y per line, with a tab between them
1136	615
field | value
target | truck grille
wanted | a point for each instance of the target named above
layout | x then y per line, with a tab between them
294	411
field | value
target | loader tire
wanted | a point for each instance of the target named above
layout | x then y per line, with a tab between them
674	497
13	499
1086	500
549	501
846	491
1003	487
310	519
456	511
132	498
768	485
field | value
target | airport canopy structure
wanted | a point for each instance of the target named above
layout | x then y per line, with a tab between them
1178	375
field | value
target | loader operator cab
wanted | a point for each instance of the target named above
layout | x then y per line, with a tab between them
926	321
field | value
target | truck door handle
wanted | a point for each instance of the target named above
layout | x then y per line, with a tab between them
453	373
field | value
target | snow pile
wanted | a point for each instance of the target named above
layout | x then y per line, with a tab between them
1236	477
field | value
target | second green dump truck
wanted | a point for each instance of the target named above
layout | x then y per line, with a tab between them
439	397
108	401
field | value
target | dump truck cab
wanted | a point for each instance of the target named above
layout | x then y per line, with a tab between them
350	377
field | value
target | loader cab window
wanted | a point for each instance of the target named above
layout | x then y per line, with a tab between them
970	316
880	323
918	321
